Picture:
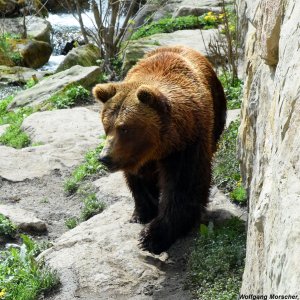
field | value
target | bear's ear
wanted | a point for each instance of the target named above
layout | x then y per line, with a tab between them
154	98
104	92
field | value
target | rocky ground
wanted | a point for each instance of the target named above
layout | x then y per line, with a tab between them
100	258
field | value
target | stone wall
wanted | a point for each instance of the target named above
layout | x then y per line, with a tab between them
269	142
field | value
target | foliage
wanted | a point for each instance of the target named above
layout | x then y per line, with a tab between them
217	261
31	82
22	277
71	222
205	21
91	207
14	136
71	95
7	228
90	166
226	172
233	90
6	49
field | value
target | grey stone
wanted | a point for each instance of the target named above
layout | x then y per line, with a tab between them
65	137
86	56
191	38
37	28
34	53
269	146
24	219
232	115
19	74
195	11
3	128
41	92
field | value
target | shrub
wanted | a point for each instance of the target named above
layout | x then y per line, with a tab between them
233	90
217	262
14	136
21	275
91	207
90	166
7	53
226	171
205	21
7	228
71	95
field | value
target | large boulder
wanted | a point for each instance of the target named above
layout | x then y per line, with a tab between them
41	92
86	56
136	49
64	137
269	140
100	258
34	53
37	28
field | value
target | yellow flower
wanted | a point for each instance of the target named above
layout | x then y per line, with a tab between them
210	13
2	293
221	16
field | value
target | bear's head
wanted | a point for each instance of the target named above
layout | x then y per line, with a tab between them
134	117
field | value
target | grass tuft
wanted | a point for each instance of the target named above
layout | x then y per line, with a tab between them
7	228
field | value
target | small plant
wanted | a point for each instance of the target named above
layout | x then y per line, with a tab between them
31	82
226	171
205	21
91	207
217	262
21	275
14	136
7	53
71	95
90	166
233	90
71	222
7	228
239	194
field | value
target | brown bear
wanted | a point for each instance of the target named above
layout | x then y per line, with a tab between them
162	125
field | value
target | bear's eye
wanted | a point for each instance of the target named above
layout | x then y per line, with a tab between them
123	130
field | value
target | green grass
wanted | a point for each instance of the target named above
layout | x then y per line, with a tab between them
14	136
233	90
71	222
71	95
226	171
91	207
22	277
7	228
7	53
217	262
168	25
90	166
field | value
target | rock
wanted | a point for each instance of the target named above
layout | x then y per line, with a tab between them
100	258
24	219
66	135
269	146
103	258
220	208
195	11
85	56
3	128
19	74
171	7
192	38
232	115
34	53
7	8
41	92
112	188
37	28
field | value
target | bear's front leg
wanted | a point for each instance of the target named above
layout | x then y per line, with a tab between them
145	191
185	180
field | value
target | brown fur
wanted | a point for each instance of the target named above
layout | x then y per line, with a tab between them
169	111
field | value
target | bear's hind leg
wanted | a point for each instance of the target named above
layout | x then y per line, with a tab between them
145	191
185	181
